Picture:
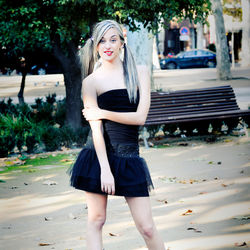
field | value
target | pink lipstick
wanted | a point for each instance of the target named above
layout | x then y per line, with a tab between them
108	53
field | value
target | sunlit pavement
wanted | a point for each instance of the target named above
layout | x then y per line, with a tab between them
42	85
201	201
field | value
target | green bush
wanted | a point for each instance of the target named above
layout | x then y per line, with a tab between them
17	126
7	108
7	142
60	112
51	138
31	142
81	135
67	136
33	136
50	99
34	125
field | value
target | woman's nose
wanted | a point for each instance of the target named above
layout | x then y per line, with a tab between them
107	45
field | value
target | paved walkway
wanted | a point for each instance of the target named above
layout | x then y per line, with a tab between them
201	201
40	86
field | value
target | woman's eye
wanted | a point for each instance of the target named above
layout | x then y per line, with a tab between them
113	40
102	41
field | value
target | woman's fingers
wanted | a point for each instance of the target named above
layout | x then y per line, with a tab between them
108	188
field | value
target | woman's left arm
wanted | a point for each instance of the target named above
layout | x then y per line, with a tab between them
130	118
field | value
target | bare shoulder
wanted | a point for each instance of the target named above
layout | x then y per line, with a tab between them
89	82
144	76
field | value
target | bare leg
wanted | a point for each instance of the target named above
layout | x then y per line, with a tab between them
97	205
140	208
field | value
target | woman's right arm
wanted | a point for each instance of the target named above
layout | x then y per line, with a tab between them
90	100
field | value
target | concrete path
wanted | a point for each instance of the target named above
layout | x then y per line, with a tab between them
201	201
40	86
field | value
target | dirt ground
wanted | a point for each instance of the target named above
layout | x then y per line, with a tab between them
200	201
42	85
201	197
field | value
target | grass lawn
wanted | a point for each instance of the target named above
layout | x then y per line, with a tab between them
29	164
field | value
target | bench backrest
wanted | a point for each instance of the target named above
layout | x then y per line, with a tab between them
168	105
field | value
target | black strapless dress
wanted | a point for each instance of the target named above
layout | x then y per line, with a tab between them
131	174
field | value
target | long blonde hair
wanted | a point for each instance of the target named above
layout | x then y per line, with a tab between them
89	57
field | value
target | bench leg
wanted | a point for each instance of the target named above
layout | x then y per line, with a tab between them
144	135
245	128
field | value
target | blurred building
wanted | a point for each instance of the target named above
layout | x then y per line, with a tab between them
185	35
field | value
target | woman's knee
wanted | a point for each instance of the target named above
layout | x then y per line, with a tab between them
147	230
97	220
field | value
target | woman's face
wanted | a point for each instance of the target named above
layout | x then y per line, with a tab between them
109	46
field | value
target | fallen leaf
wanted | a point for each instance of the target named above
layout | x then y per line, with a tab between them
168	180
112	234
164	201
194	229
2	181
240	244
210	162
25	183
65	160
31	170
219	162
71	216
191	181
49	183
14	187
188	212
224	185
48	218
203	193
183	182
242	171
46	244
44	157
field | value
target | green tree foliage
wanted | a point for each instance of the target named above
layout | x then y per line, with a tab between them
64	25
233	8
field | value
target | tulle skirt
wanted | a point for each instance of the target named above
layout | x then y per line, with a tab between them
130	171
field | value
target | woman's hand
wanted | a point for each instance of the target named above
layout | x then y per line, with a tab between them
92	114
107	182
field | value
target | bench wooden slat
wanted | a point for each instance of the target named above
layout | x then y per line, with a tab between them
190	103
197	111
206	90
198	117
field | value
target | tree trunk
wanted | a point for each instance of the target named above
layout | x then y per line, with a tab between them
245	32
200	36
222	52
141	44
233	57
73	84
20	94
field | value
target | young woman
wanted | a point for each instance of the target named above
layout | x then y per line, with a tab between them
116	100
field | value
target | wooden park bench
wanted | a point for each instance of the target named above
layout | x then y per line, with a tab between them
183	106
